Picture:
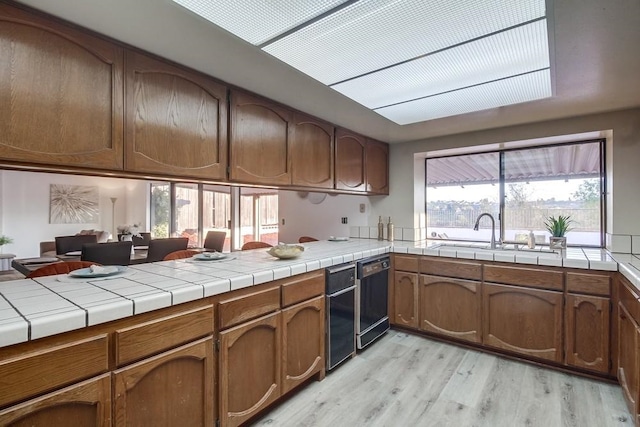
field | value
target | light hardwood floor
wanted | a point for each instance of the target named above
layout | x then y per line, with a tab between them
407	380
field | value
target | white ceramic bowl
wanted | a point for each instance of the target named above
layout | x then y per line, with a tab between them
286	251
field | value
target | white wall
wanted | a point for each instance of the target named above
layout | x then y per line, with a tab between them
25	207
303	218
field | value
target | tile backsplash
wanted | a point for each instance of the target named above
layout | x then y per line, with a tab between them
400	233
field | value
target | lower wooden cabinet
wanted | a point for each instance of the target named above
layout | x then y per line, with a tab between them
250	368
587	332
173	388
84	404
523	320
451	307
405	301
302	342
628	354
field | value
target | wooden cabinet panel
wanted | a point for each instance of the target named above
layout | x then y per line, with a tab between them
85	404
176	120
260	141
312	152
449	268
240	309
301	288
451	307
377	167
405	263
39	371
350	161
302	342
142	340
526	321
628	357
523	276
171	389
405	297
250	369
61	94
587	332
589	283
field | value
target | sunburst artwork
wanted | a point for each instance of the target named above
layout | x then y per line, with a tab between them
74	204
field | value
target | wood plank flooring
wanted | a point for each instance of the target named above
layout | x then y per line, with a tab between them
407	380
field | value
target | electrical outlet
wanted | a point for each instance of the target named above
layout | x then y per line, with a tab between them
344	220
362	207
282	221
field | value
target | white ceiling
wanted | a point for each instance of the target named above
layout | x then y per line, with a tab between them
596	67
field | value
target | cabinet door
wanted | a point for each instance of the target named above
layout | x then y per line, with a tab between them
250	369
405	293
628	353
350	161
60	94
302	342
176	120
312	152
85	404
451	307
260	141
173	388
587	332
377	167
522	320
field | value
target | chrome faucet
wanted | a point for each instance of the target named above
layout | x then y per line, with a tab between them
493	228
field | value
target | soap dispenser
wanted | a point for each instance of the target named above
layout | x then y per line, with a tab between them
531	243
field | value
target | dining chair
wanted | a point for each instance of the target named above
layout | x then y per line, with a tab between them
59	268
159	248
215	240
255	245
143	240
66	244
110	253
306	239
186	253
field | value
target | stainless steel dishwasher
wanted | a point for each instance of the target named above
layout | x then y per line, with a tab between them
341	314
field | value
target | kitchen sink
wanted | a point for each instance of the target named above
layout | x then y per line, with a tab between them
503	248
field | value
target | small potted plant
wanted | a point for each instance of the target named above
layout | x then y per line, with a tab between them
558	227
4	240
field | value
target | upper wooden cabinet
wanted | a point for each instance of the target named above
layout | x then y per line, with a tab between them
350	161
60	94
312	152
260	141
176	120
377	167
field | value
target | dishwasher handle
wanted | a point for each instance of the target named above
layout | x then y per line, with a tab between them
341	291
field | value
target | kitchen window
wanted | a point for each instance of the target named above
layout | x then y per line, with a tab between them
521	188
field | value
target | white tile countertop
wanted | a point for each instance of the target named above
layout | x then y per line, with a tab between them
36	308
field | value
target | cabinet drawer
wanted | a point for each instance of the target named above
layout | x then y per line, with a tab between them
241	309
40	371
405	263
302	288
597	284
530	277
145	339
457	269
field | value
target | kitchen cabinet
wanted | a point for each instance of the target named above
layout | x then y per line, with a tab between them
312	151
629	346
587	332
451	307
377	167
405	299
87	403
302	342
350	161
176	120
523	320
61	92
250	368
260	141
172	388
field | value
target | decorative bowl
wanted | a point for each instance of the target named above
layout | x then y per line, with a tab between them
284	251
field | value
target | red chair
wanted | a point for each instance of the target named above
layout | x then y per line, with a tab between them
186	253
255	245
59	268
